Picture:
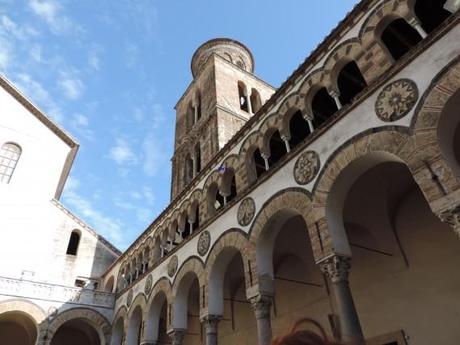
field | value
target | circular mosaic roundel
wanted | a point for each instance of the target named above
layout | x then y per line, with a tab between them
172	265
129	299
203	243
306	167
246	211
396	100
148	284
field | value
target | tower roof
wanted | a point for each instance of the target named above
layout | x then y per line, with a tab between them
227	48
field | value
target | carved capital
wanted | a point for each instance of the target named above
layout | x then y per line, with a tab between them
333	93
336	268
177	336
451	216
210	323
262	305
285	137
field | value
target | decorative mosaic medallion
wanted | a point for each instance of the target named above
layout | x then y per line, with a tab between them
203	243
148	284
396	100
246	211
306	167
129	299
172	265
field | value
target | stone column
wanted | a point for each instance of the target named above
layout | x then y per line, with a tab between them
265	157
416	25
190	224
286	143
177	336
210	324
195	112
248	98
334	94
451	216
309	119
262	305
336	268
194	167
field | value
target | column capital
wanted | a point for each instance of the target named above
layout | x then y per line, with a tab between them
264	155
333	93
336	268
285	137
262	305
177	335
308	116
451	216
210	322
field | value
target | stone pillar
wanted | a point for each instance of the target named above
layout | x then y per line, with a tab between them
262	305
224	196
194	167
177	336
335	94
249	104
451	216
336	268
210	324
416	25
286	143
190	224
195	113
265	157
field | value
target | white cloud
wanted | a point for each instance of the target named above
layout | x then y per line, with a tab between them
71	85
81	124
111	228
37	93
51	13
122	153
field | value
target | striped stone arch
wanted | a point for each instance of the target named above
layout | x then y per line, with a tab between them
266	130
365	151
100	324
139	301
190	268
314	82
153	309
387	11
232	239
122	312
252	140
32	311
173	226
427	127
234	167
289	107
282	205
343	53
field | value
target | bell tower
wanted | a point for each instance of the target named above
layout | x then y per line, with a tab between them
223	95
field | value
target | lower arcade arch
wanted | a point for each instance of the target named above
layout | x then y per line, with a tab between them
17	328
404	259
77	331
156	322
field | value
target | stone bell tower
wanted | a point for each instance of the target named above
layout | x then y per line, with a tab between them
223	95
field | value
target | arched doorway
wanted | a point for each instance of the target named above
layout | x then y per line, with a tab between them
156	325
76	332
404	259
17	328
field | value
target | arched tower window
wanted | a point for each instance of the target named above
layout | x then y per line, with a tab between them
188	169
399	37
9	157
323	107
256	102
243	96
259	163
198	105
74	241
190	116
350	82
431	13
198	157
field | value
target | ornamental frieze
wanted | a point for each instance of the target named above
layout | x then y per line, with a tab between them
203	243
246	211
396	100
306	167
172	266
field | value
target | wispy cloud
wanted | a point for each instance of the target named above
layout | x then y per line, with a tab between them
81	124
34	89
51	12
71	85
105	225
122	153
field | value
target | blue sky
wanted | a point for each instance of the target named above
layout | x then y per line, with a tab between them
111	71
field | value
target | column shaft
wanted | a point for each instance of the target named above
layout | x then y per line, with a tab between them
262	305
210	324
337	268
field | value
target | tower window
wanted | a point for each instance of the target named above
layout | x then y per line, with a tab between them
399	37
74	241
243	96
9	157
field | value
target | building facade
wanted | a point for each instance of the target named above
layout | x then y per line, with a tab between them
334	197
